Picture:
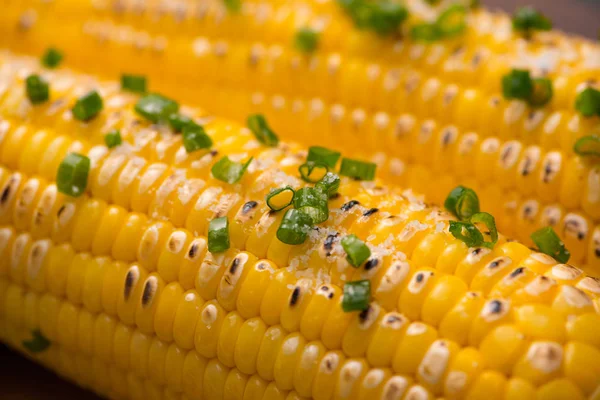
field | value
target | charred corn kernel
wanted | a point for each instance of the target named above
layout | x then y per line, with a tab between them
360	331
147	303
540	363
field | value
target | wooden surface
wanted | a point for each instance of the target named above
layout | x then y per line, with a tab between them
22	380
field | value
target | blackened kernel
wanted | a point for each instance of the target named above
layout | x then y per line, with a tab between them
364	314
295	296
147	293
193	250
495	307
261	267
370	212
248	206
371	263
325	288
328	244
419	278
129	281
517	272
330	296
349	205
60	210
234	265
5	194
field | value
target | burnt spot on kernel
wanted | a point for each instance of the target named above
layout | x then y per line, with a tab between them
371	263
419	278
295	296
130	280
329	242
363	316
349	205
193	251
495	307
249	206
60	210
370	212
234	265
517	272
5	194
261	267
149	291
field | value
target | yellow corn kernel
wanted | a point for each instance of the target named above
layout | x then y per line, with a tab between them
411	350
541	322
147	303
488	385
582	366
463	370
559	389
448	290
455	325
208	329
188	312
166	310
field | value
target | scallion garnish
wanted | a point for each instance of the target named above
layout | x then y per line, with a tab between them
133	83
462	202
313	171
113	138
425	32
88	106
542	92
306	40
357	295
588	102
528	19
38	342
329	184
517	84
37	88
467	233
381	16
280	198
72	175
263	133
588	146
490	223
195	138
312	202
218	235
52	58
233	6
356	169
229	171
323	155
180	121
357	252
156	108
452	21
294	227
549	243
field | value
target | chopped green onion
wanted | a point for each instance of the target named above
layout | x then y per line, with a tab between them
88	106
52	58
312	202
72	175
462	202
38	90
452	21
233	6
195	138
218	235
133	83
542	92
588	102
467	233
329	184
528	19
323	155
490	223
425	32
38	343
549	243
258	125
588	146
306	40
313	171
179	121
280	198
156	108
294	227
356	169
113	138
229	171
357	295
382	16
357	252
517	84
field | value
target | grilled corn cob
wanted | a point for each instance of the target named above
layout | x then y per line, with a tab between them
130	303
365	91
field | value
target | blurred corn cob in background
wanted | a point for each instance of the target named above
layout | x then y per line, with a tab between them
115	288
431	114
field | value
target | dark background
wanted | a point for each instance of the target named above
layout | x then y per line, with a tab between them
22	380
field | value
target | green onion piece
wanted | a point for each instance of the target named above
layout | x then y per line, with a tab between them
294	227
258	125
452	21
133	83
113	138
72	175
382	16
542	92
462	202
38	343
312	202
233	6
38	90
88	106
179	121
280	198
549	243
356	169
357	252
490	223
229	171
218	235
588	146
425	32
52	58
517	84
313	171
323	155
528	19
588	102
306	40
155	107
357	295
195	138
467	233
329	184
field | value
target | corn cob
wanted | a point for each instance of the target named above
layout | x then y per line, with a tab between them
371	96
121	284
